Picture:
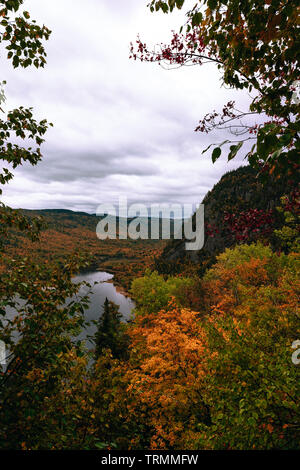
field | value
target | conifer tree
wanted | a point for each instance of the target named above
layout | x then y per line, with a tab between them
110	333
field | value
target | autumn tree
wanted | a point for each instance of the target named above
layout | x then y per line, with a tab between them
252	386
39	322
22	41
288	236
152	292
221	377
255	44
45	316
165	378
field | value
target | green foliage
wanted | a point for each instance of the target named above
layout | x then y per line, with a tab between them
111	332
241	254
221	377
288	236
237	191
39	333
152	292
23	41
14	218
156	5
256	45
21	37
40	330
253	385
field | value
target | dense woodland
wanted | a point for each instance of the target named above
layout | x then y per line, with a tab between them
239	208
208	361
64	233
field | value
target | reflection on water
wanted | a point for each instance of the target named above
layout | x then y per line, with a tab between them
97	297
100	292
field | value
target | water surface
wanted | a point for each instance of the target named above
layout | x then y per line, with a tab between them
100	292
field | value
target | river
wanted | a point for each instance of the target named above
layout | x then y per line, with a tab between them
99	292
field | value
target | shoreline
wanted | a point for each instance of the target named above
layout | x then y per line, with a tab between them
95	267
119	288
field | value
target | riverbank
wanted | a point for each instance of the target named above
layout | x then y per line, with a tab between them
103	287
119	288
95	267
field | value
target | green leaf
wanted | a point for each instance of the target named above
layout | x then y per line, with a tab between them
16	61
197	18
179	3
216	154
234	150
207	148
276	154
212	4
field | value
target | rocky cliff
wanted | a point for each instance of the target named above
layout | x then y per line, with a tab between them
238	191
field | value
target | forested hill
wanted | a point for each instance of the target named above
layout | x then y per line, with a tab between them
65	232
64	219
239	208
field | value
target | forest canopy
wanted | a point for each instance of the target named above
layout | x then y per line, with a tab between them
208	359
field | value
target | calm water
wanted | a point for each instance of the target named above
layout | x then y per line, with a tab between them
97	297
100	292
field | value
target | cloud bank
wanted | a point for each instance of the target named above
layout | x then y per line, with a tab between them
121	128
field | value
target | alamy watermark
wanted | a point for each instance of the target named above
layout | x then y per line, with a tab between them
296	92
2	353
296	354
137	221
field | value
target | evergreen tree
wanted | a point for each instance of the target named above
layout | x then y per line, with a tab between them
111	332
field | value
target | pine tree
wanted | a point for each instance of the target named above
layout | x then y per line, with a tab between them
110	333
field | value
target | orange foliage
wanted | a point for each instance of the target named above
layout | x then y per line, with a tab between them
166	386
126	259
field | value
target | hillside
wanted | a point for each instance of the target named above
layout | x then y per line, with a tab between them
64	219
238	193
65	232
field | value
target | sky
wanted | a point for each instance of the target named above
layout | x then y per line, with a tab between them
121	128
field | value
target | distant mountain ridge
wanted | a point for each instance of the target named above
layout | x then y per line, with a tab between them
62	219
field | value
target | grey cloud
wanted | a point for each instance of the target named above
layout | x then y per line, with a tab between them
71	166
121	127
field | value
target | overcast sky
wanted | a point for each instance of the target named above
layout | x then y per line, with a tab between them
120	127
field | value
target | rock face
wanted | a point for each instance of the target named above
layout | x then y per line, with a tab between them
237	191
